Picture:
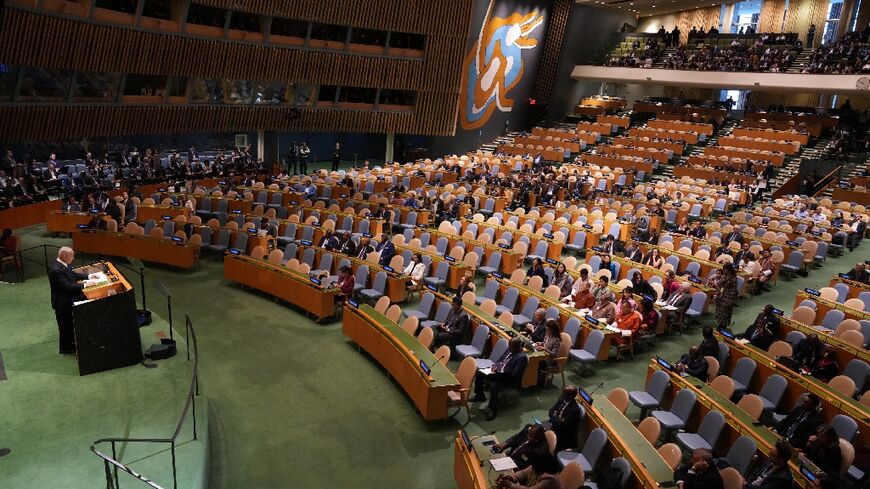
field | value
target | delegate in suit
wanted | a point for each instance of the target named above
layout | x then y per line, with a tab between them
65	289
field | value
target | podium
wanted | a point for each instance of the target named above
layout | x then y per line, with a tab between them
106	331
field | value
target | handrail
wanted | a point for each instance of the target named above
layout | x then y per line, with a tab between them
834	177
790	186
112	465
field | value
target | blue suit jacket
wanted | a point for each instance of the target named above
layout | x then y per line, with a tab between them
388	251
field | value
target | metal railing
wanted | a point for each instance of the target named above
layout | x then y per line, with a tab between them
110	462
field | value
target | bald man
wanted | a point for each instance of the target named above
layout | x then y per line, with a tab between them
65	289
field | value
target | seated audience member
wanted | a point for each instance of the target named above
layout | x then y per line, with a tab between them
7	243
345	282
71	205
466	283
823	449
826	367
808	351
758	335
415	269
802	422
537	328
537	269
709	345
859	273
610	247
565	417
608	264
771	319
387	250
633	253
601	290
329	241
542	473
700	473
670	285
765	265
348	245
773	473
583	299
627	319
507	371
697	231
551	343
364	248
584	278
563	280
452	330
678	303
626	296
654	259
604	309
649	317
694	364
641	286
524	445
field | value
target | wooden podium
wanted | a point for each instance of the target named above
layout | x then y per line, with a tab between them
106	331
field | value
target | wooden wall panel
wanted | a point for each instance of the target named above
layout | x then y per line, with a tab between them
764	99
770	18
691	93
802	13
549	66
32	39
702	18
450	17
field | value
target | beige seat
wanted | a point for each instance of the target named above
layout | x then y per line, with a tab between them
561	359
847	451
723	385
712	368
258	253
506	318
535	283
382	304
671	453
552	291
829	293
779	349
550	435
488	306
518	276
865	398
394	312
804	315
854	303
843	384
465	375
619	398
427	336
410	325
443	354
854	338
651	429
275	256
731	479
752	404
572	476
468	297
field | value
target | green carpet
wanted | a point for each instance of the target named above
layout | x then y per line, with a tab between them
292	403
51	415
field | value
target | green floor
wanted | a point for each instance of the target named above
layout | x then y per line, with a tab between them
293	403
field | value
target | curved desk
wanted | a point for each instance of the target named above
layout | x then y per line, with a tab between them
401	353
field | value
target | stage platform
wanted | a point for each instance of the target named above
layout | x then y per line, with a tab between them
52	416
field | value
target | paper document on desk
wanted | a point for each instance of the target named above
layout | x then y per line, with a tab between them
742	341
486	371
661	303
669	308
502	464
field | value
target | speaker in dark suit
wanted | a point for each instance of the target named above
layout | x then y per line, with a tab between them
65	289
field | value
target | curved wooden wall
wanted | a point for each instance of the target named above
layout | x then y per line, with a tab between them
34	38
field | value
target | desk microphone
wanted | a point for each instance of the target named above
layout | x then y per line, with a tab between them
596	388
441	357
481	436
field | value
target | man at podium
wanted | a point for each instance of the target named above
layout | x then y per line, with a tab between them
66	288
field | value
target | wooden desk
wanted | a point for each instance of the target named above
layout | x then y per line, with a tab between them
750	143
510	261
479	318
587	137
729	165
677	148
626	163
833	402
844	352
772	135
146	248
649	469
468	467
554	248
65	222
775	157
281	282
856	196
671	125
827	121
600	128
737	421
705	174
649	132
145	212
660	155
396	282
400	353
814	130
614	120
855	288
27	215
604	102
824	305
548	155
547	143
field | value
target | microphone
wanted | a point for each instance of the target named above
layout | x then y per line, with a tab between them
441	357
596	388
480	436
